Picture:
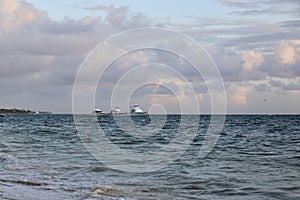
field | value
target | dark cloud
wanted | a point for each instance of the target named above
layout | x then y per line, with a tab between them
229	64
292	86
261	40
275	83
40	57
70	26
290	23
16	66
261	87
155	89
242	34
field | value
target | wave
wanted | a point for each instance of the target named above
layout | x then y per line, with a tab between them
6	158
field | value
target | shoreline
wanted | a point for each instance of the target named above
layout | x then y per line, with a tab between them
21	111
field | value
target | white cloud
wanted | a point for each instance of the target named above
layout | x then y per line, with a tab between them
296	42
286	53
9	6
252	60
15	13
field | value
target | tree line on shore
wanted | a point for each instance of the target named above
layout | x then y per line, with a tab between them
16	110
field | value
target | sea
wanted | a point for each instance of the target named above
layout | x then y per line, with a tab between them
49	157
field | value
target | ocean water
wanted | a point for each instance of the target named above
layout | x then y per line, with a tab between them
256	157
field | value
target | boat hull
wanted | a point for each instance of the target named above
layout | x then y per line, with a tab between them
139	114
102	114
118	114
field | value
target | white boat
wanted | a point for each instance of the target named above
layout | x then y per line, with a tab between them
135	110
117	111
99	112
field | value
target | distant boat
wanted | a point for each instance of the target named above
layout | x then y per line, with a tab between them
139	116
42	112
135	110
2	115
117	111
99	112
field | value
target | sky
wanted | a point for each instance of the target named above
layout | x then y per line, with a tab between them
254	44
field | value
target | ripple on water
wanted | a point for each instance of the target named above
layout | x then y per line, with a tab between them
256	157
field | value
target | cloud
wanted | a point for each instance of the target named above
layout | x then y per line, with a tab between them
286	53
101	7
17	66
296	42
285	84
282	60
258	7
252	60
40	57
290	23
169	102
261	87
292	86
238	95
250	32
15	14
9	6
238	4
69	26
121	18
275	83
261	40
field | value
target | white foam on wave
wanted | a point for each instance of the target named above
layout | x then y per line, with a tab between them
111	193
6	158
